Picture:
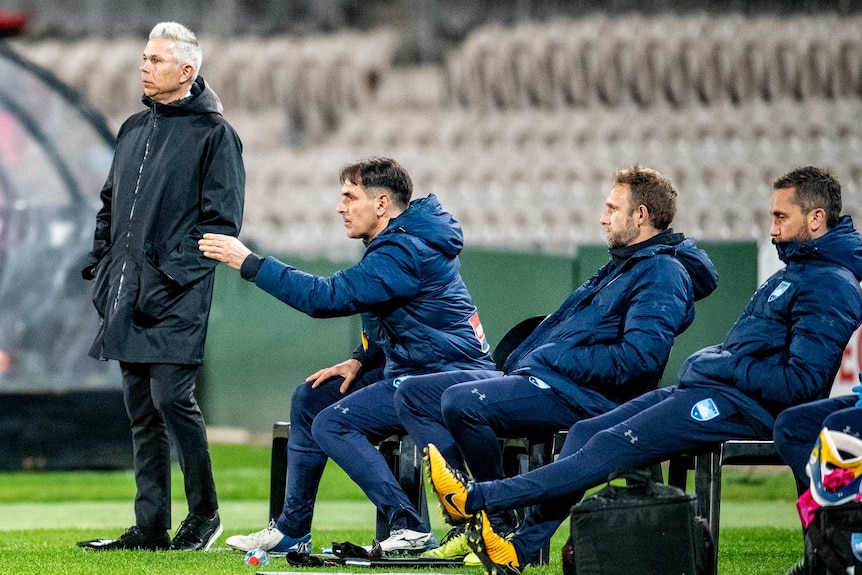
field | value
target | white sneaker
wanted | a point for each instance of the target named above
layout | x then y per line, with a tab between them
408	540
270	539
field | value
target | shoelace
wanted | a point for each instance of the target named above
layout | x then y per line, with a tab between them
189	527
452	534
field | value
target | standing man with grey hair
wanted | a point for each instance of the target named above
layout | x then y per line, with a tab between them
177	174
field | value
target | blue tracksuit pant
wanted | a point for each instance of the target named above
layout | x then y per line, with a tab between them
348	432
306	460
418	404
463	413
797	428
635	435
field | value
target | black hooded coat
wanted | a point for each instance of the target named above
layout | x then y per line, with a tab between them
177	174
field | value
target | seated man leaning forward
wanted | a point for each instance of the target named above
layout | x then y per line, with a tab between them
784	350
608	342
417	317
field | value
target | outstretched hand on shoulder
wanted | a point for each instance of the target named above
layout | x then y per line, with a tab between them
224	248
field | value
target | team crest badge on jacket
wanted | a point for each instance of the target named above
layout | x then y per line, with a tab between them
782	287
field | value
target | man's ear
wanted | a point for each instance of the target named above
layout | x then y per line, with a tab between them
642	213
383	204
817	220
187	71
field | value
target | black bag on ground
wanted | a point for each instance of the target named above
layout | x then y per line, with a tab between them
642	527
833	541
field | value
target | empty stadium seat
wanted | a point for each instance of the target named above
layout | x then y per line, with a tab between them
537	119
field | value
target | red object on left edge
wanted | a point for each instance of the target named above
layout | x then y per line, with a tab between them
12	23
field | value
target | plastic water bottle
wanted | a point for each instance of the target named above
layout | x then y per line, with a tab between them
256	557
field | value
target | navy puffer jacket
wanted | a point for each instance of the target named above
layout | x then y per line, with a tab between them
408	289
787	346
611	338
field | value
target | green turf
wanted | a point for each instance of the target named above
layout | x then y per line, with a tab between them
42	515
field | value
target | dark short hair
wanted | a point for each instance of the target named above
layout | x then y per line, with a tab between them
650	188
380	172
814	188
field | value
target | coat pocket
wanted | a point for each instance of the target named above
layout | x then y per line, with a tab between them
101	284
158	294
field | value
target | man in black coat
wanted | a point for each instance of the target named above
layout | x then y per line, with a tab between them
177	174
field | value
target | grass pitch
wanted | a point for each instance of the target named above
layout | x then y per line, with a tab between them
42	515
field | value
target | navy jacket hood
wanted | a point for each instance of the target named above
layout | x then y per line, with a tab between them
701	270
426	219
841	246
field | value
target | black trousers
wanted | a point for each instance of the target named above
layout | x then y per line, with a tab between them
162	409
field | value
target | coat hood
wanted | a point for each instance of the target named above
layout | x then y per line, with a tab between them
841	246
202	100
701	270
426	219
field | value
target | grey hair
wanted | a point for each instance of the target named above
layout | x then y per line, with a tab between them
186	47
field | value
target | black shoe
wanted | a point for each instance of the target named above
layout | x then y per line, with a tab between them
505	523
133	538
197	533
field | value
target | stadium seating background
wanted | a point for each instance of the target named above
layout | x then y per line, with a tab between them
518	129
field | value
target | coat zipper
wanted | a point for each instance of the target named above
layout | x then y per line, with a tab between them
132	211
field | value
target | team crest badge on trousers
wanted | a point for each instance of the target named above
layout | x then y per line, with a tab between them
704	410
